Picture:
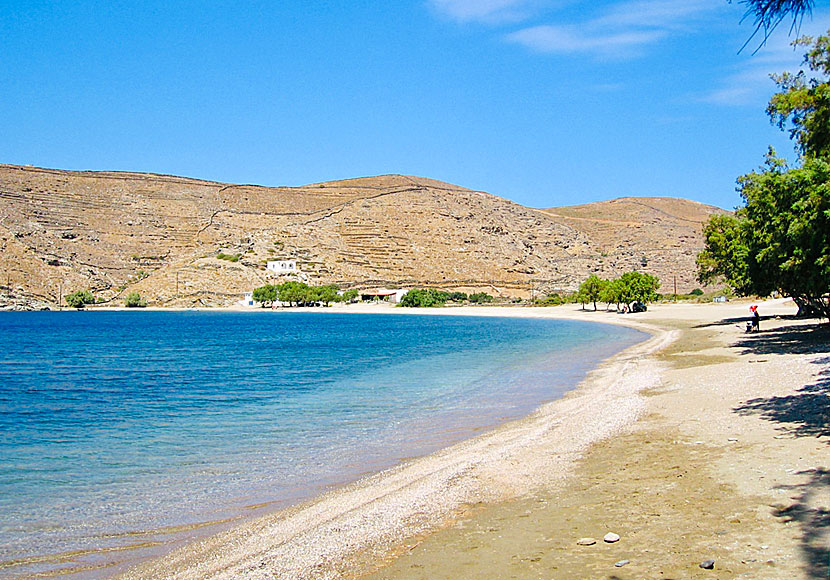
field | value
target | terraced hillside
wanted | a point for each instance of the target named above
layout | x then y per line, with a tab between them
163	236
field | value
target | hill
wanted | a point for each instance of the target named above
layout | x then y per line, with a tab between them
163	236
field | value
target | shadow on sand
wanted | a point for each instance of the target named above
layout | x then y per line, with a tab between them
805	413
813	518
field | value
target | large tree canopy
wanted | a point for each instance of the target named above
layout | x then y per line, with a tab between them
780	239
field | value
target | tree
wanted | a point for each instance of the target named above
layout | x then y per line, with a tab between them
267	293
293	292
328	294
423	298
134	300
804	103
592	288
780	239
80	298
612	293
480	298
638	287
768	14
350	295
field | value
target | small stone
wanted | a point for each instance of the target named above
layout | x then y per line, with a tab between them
707	564
732	439
622	563
611	537
586	542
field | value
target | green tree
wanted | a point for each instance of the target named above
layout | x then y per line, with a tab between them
350	295
80	298
293	292
423	298
592	288
134	300
265	294
780	239
638	287
803	103
328	294
612	293
480	298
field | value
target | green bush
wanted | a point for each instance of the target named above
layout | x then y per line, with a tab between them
80	298
424	298
134	300
228	257
481	298
696	292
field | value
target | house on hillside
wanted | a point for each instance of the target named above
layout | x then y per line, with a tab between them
282	266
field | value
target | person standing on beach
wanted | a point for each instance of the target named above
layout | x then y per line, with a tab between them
756	318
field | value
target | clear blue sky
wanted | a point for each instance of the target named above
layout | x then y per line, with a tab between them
545	102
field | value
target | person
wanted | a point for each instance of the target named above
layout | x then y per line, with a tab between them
756	318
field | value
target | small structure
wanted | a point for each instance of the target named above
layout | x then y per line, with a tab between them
282	266
384	294
720	299
247	299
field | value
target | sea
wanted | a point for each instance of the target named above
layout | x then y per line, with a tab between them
126	433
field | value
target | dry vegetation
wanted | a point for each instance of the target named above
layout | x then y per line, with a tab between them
159	235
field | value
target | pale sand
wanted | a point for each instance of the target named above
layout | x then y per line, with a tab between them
642	448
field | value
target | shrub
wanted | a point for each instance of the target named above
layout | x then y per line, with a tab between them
424	298
228	257
134	300
80	298
481	298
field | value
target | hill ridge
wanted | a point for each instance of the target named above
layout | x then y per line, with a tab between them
160	235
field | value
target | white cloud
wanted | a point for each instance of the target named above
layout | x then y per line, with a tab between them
574	39
654	13
622	30
488	11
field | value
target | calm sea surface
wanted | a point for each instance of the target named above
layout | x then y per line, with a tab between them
129	429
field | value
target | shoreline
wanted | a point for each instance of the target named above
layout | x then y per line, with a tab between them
726	468
339	532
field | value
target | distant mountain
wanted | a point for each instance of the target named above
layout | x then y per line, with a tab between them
160	235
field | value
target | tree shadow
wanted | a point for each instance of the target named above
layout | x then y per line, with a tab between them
741	321
797	339
813	519
806	413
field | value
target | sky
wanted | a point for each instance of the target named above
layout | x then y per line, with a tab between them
544	102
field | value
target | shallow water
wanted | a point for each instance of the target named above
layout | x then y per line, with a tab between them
117	426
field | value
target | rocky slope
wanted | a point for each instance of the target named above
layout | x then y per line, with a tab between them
160	235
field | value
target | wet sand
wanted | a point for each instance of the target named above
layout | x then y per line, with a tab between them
684	445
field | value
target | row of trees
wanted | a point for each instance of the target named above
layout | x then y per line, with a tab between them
779	241
81	298
426	297
301	294
628	288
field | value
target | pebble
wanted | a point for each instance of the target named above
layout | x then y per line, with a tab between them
611	537
622	563
586	542
707	564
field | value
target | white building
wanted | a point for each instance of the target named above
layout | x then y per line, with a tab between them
282	266
247	299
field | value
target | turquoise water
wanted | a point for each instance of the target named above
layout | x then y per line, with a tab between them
117	426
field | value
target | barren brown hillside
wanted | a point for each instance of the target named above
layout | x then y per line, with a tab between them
114	233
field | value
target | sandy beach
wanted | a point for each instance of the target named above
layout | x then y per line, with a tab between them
701	443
